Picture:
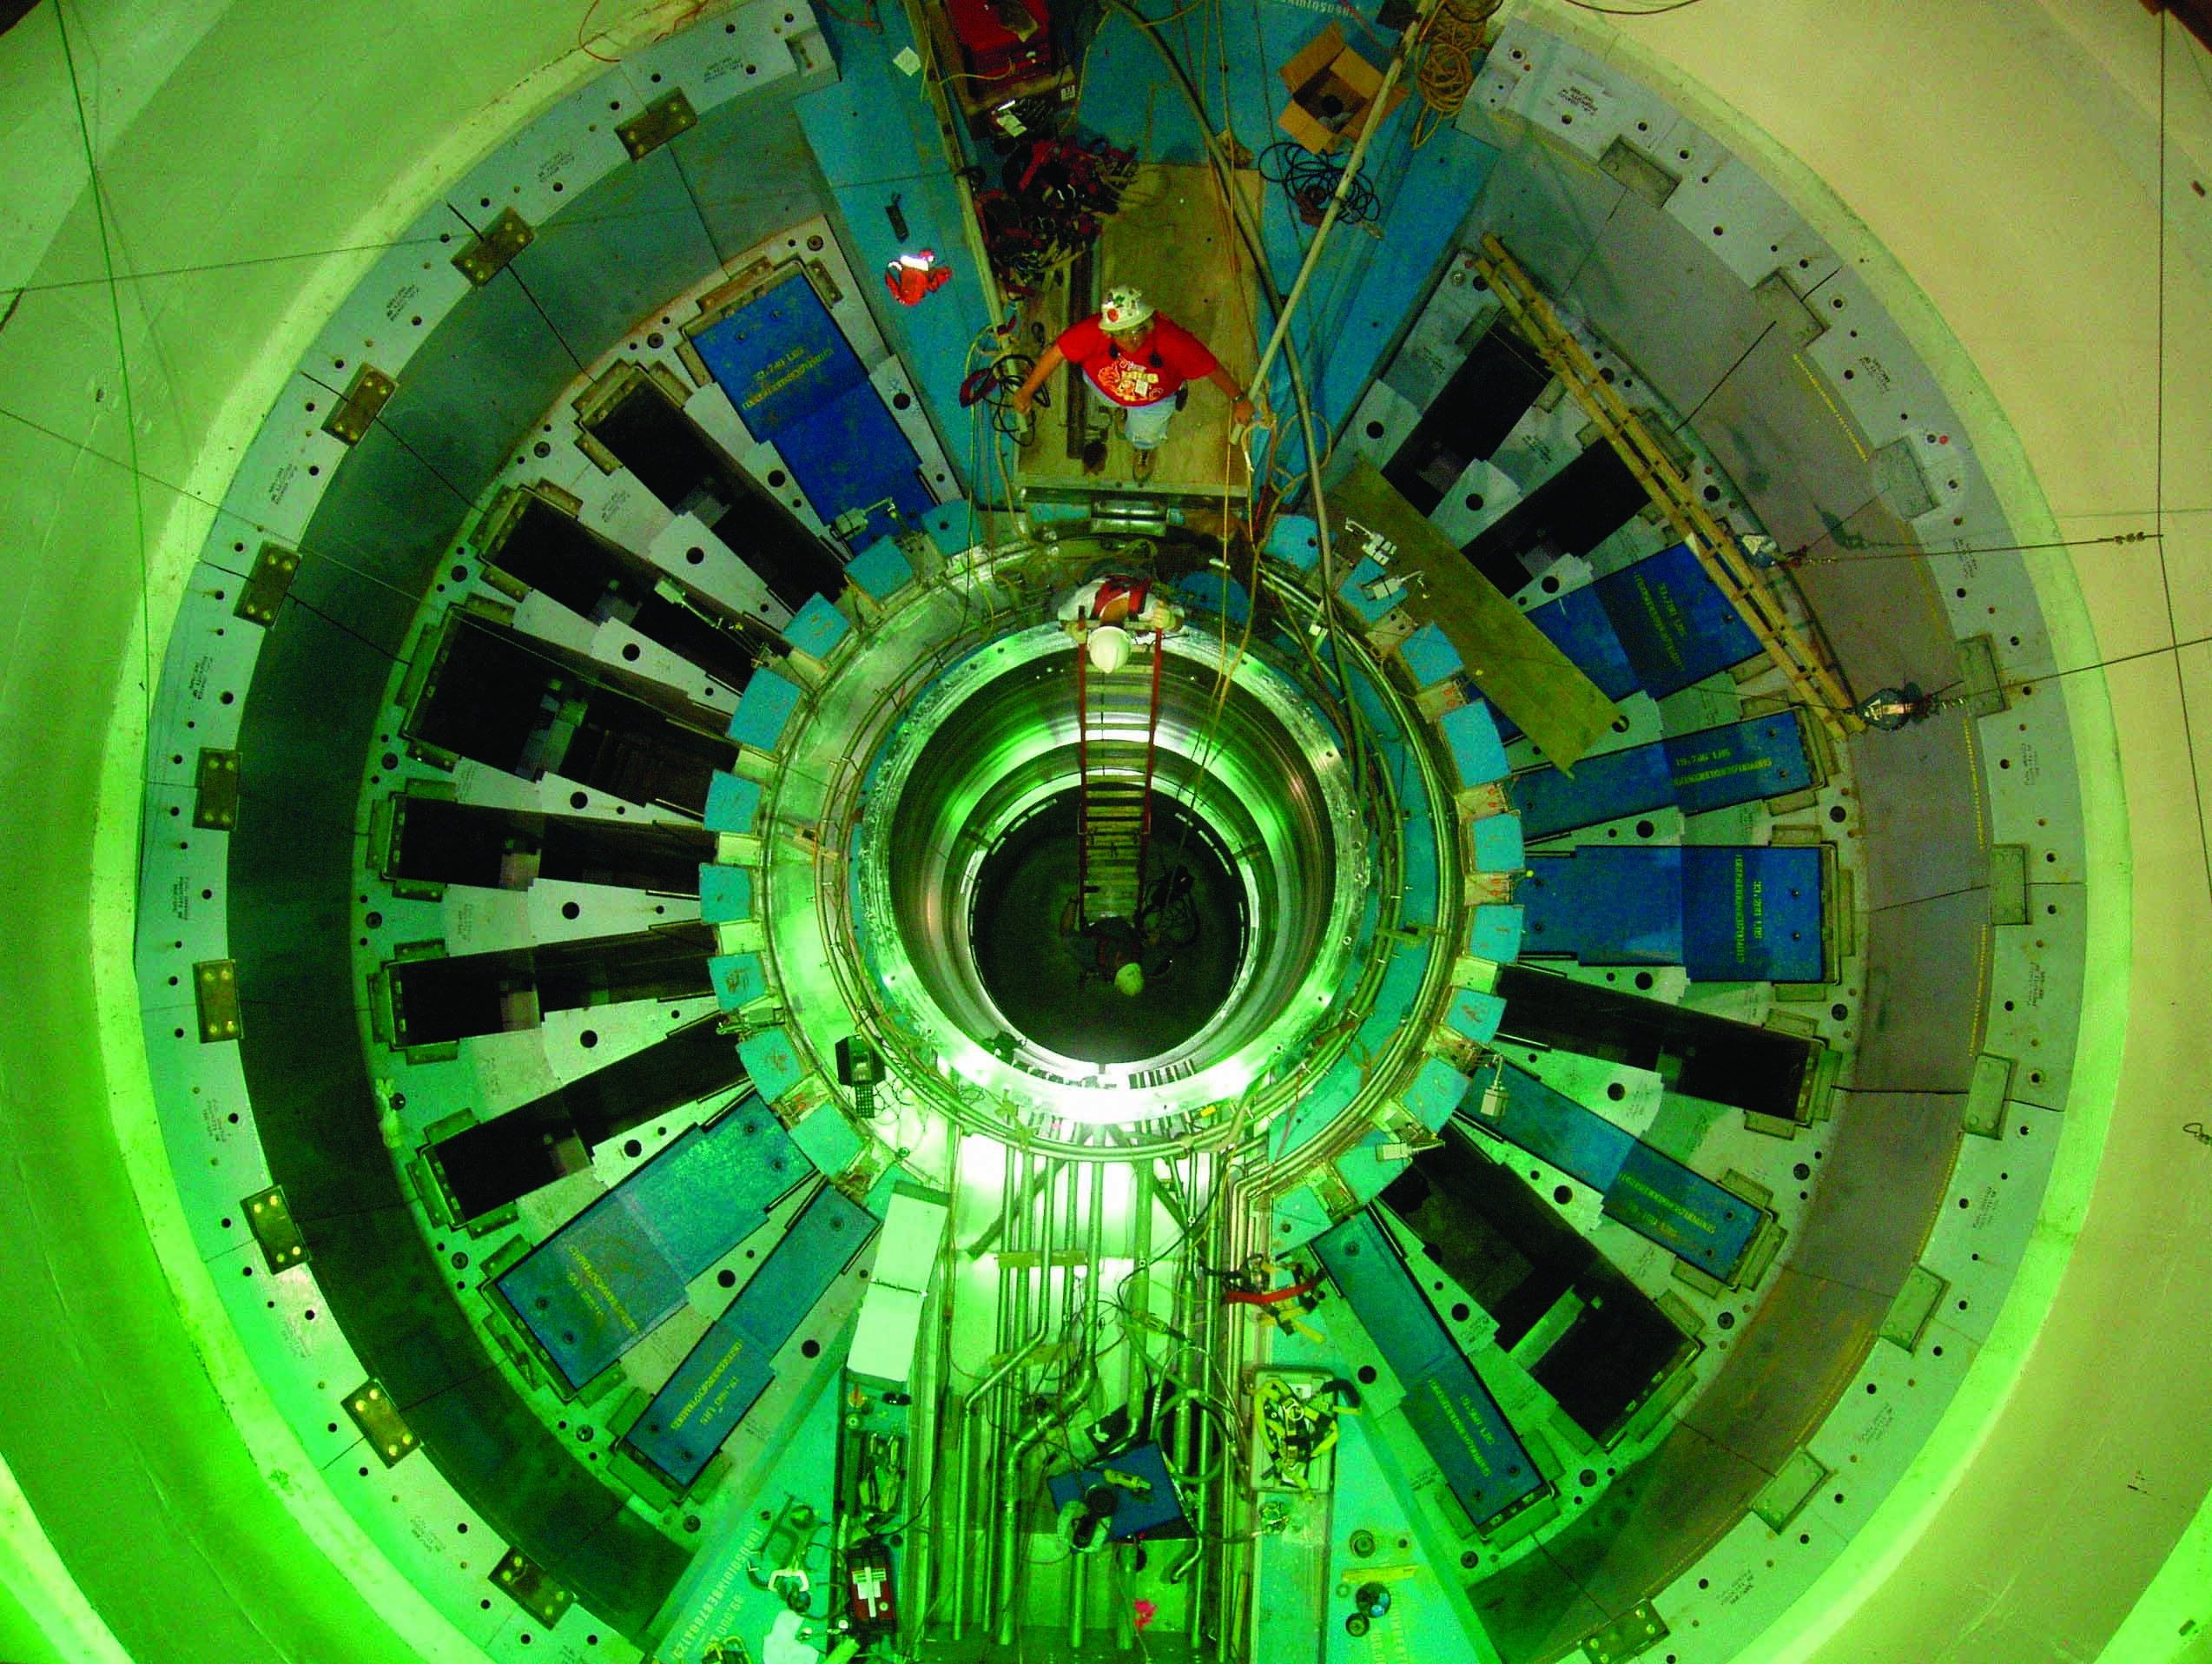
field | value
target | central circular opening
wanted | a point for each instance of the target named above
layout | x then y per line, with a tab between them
1235	917
1062	980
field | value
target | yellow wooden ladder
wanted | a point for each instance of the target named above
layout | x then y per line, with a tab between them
1801	658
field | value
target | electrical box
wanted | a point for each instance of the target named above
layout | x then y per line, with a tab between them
898	1287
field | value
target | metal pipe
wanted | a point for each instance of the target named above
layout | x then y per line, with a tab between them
1002	1574
956	1563
1374	119
1011	1470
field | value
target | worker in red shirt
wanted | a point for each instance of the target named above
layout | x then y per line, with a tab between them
1138	361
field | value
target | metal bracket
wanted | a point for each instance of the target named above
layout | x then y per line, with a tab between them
522	1582
214	992
267	585
365	396
373	1412
1630	1635
273	1227
214	808
655	124
507	235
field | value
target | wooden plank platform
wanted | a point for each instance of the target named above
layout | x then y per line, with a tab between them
1514	664
1171	240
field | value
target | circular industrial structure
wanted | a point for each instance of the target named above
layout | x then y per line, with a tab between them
732	1091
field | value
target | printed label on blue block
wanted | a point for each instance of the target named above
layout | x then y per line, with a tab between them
1476	751
1497	843
780	356
1430	655
1674	623
763	710
731	803
1496	934
882	569
1682	1211
1465	1433
1752	915
1475	1014
725	893
1719	767
772	1061
694	1414
738	979
817	628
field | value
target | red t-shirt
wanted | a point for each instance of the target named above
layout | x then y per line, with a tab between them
1170	356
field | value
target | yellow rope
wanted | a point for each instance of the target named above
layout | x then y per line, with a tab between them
1445	75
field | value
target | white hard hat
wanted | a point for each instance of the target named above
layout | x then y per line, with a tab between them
1109	647
1130	979
1125	308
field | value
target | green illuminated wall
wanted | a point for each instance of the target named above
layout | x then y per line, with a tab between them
250	155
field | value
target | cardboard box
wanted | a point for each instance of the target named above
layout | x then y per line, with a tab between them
1330	88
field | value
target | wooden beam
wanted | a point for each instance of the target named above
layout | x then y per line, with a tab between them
1801	658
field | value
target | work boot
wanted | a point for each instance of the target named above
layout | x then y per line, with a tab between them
1141	464
1094	456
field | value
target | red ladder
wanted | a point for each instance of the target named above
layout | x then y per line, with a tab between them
1113	795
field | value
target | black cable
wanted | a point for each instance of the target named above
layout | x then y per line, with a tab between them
1805	557
1632	11
1309	181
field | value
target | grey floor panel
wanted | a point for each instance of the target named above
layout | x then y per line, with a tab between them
1881	616
1929	962
1645	278
1547	208
1881	1185
1924	834
1651	1522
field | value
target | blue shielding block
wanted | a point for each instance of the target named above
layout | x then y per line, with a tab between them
732	801
738	979
1673	622
1495	934
818	627
1683	1212
772	1062
1472	738
882	569
764	711
723	1375
611	1275
725	893
1430	656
